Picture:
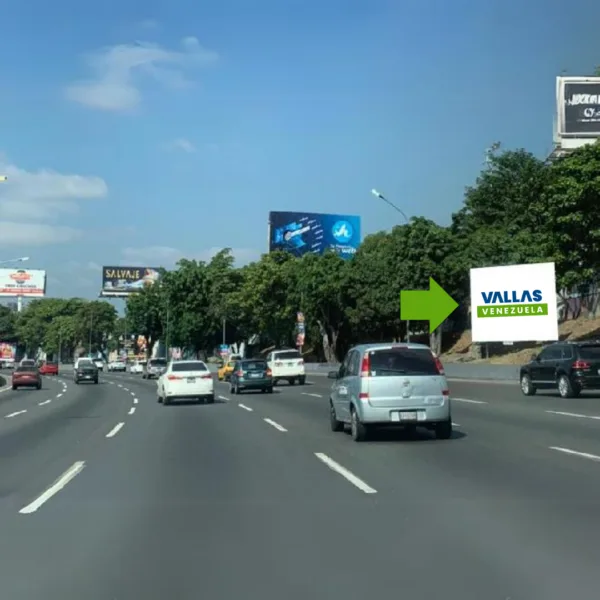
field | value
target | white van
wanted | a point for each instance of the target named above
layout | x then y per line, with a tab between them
288	365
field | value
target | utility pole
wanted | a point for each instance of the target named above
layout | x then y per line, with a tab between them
224	331
399	210
167	341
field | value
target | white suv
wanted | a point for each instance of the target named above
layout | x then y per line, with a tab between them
288	365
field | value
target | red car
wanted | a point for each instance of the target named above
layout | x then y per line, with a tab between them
26	377
49	368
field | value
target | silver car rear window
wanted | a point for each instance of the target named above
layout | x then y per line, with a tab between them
401	361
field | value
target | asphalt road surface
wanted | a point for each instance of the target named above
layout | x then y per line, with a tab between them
107	495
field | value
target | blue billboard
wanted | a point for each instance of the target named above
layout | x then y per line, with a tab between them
300	233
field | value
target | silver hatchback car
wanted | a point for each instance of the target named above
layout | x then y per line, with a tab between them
390	384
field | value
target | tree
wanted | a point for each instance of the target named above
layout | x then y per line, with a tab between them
8	323
145	314
572	213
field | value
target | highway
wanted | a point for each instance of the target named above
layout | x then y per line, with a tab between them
108	495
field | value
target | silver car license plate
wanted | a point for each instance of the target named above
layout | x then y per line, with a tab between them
408	415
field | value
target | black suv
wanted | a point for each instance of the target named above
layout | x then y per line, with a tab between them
567	366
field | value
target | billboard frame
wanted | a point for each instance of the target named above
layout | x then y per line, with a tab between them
19	294
320	230
121	293
561	106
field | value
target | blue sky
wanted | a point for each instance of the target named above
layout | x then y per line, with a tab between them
138	133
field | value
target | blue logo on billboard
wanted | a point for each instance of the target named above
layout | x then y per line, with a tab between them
342	232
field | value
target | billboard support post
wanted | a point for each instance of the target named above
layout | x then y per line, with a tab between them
19	303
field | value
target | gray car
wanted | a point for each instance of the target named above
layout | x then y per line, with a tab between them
154	368
390	385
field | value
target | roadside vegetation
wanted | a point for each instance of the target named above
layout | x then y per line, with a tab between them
520	209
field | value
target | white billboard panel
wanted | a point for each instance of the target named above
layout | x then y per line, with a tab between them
514	303
30	283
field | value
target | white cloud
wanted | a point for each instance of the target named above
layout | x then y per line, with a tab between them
182	144
117	71
45	194
166	256
35	234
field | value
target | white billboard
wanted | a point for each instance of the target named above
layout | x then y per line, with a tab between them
29	283
514	303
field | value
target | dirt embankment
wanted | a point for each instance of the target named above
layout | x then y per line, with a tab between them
583	328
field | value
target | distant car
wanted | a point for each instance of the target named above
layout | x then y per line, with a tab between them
185	380
225	371
28	362
288	365
26	376
568	367
390	385
85	370
99	364
49	368
251	374
154	368
137	367
117	366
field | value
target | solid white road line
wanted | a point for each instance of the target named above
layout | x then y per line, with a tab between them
224	398
131	410
5	389
574	415
467	400
275	424
576	453
19	412
245	407
58	485
135	400
348	475
115	430
44	402
313	395
455	424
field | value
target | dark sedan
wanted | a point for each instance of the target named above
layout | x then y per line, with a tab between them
251	375
26	377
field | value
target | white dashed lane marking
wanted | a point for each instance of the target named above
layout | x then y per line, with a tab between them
245	407
44	402
131	410
15	414
345	473
115	430
58	485
275	424
587	455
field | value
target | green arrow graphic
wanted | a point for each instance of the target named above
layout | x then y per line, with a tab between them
433	305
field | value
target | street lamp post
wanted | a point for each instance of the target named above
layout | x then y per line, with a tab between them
397	209
13	260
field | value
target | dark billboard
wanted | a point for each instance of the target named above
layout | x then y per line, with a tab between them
300	233
579	106
122	281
